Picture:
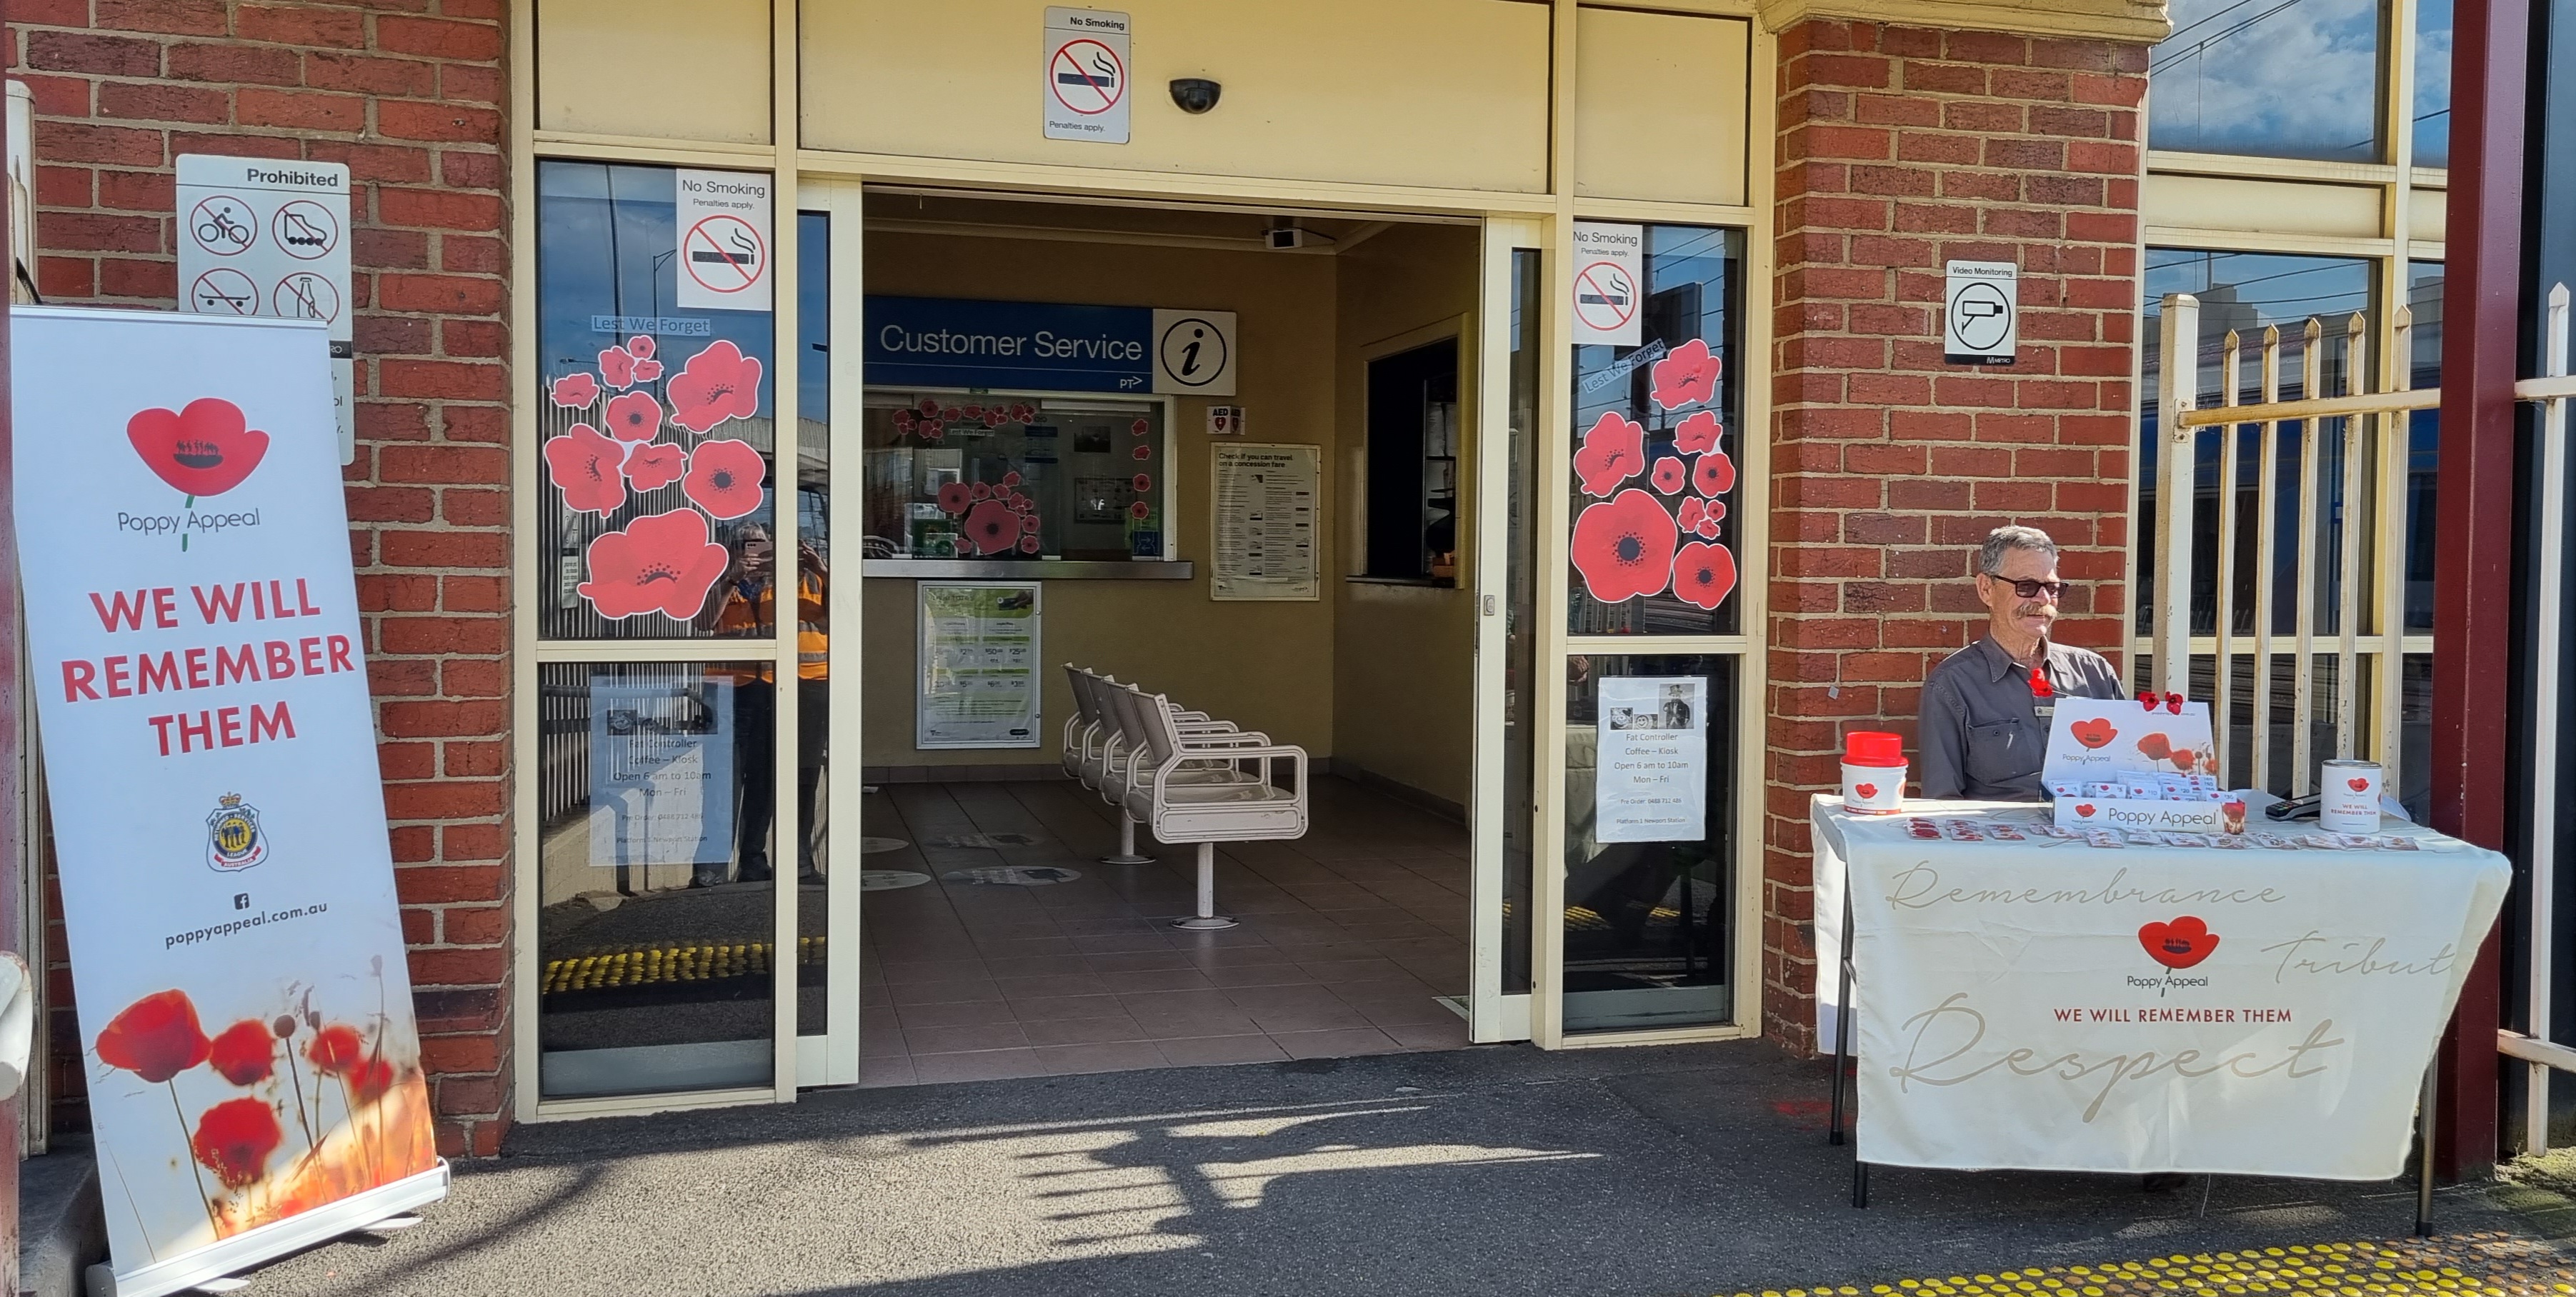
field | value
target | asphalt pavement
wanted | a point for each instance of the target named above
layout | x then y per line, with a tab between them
1496	1171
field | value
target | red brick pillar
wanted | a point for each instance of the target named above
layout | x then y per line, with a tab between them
411	101
1901	148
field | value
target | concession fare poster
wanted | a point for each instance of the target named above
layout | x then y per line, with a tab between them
253	1070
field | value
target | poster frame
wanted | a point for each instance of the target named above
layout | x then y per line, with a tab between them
921	666
1218	454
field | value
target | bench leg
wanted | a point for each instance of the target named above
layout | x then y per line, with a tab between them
1207	918
1126	844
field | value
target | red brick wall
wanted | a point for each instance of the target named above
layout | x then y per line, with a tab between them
1900	149
409	94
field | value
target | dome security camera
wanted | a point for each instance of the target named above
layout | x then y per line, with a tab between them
1195	95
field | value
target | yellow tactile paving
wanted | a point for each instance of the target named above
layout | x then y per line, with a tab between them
2467	1265
645	965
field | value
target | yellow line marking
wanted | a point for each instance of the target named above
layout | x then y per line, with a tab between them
2492	1264
647	965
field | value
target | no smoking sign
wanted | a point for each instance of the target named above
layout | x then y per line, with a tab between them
724	240
1609	283
1086	70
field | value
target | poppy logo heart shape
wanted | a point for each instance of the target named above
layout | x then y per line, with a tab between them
2178	943
205	449
2084	809
2093	733
1866	791
2357	785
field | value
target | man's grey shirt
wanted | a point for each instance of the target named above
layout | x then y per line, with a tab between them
1982	735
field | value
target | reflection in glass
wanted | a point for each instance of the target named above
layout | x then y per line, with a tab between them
2424	441
2268	79
1520	625
952	475
1657	429
813	607
655	421
1648	923
2432	83
653	924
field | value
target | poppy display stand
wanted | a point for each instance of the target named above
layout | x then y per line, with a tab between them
384	1206
2022	1024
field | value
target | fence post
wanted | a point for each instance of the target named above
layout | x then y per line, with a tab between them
2544	731
2177	474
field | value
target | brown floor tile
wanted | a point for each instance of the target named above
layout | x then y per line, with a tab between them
1430	1035
960	1013
1259	975
1143	961
1346	1042
951	1040
983	1065
1199	1051
1082	1031
1175	980
1410	1011
1107	1056
887	1069
1039	1008
1029	988
943	992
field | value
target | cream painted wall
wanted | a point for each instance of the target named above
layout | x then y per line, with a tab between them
1403	659
1265	666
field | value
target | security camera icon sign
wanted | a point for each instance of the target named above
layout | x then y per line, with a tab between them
1980	317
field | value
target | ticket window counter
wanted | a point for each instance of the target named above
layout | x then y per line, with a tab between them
1014	483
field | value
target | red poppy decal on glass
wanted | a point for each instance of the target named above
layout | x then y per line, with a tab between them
647	370
1624	547
617	368
2179	943
1145	451
1028	523
1669	474
1687	376
930	431
662	564
1703	575
719	383
156	1037
584	466
1613	451
928	405
982	490
973	410
1143	482
1139	510
635	416
1692	512
234	1140
575	391
1714	474
1710	515
903	421
991	527
1019	503
640	346
244	1052
954	497
724	478
2094	733
1140	427
205	449
650	468
1697	433
1029	543
1011	478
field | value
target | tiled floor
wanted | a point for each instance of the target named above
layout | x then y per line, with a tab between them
1348	937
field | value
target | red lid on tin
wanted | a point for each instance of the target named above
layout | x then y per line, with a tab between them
1873	748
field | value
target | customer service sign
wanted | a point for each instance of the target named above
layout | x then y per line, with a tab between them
194	646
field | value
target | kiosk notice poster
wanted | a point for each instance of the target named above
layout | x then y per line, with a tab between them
979	665
253	1069
1652	785
1265	524
661	770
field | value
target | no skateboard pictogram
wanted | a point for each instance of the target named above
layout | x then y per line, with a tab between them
223	291
1087	77
724	254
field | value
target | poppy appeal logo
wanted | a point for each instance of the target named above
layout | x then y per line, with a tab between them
205	449
2094	733
2178	943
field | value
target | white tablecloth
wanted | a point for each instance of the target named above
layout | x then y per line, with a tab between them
2056	1005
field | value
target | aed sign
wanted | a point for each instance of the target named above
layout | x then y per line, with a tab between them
1087	74
1047	347
1980	314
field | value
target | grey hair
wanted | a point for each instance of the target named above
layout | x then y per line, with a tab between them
1990	556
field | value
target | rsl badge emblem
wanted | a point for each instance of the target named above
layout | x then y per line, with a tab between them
234	839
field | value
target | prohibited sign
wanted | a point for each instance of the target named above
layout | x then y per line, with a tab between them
304	295
223	291
1609	271
1088	77
724	254
1605	296
224	225
306	229
1086	71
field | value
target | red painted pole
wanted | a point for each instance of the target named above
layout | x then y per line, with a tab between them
2482	306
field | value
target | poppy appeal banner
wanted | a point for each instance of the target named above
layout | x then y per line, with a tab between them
210	761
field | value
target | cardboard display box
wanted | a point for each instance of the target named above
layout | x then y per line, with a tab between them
2124	765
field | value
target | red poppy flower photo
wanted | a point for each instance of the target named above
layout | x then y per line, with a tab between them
635	416
372	1080
1692	512
205	449
1624	547
1139	510
1703	575
1145	451
982	490
156	1037
640	346
2156	747
954	497
991	527
1142	482
1669	474
1697	433
1614	449
724	478
1714	474
617	368
2184	759
584	466
1687	376
244	1053
652	467
719	383
336	1050
664	563
1029	543
575	391
234	1140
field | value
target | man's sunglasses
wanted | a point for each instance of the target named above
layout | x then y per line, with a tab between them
2033	589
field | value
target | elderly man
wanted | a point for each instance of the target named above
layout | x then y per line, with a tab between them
1986	708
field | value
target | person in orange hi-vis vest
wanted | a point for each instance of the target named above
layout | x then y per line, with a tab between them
744	603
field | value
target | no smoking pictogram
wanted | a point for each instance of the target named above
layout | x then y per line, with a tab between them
1087	77
724	254
1605	296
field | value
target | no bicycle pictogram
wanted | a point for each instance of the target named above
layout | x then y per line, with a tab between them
724	254
1087	77
1605	296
